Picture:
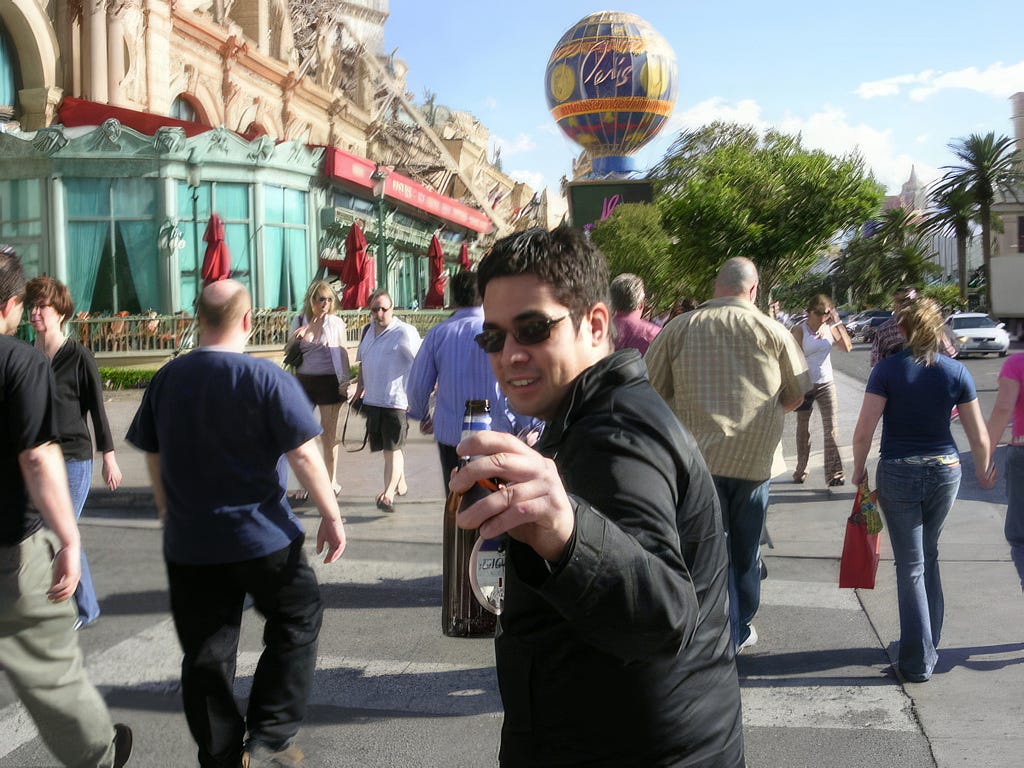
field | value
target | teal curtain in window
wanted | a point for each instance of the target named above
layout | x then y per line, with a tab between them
233	201
298	265
273	267
237	238
85	241
140	241
8	70
87	197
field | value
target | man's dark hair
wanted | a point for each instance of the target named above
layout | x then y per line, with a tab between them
464	290
563	258
12	276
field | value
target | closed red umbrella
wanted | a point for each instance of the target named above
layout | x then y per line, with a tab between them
217	260
355	270
464	263
435	293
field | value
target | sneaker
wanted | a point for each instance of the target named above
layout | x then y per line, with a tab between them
258	756
751	639
122	744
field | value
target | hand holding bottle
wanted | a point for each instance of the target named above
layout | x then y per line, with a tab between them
532	505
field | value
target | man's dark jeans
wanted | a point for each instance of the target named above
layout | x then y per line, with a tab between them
207	603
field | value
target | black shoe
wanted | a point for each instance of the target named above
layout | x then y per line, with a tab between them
122	744
836	481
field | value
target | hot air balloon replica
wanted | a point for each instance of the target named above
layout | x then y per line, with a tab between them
611	85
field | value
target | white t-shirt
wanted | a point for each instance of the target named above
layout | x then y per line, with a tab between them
385	360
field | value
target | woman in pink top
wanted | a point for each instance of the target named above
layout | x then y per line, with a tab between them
1010	403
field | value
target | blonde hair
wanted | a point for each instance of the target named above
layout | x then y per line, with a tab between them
308	310
921	321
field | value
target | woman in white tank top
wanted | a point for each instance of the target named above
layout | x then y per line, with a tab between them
816	335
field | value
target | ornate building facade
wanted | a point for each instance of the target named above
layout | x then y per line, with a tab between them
124	124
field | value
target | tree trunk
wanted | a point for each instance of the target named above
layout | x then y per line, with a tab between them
986	254
961	266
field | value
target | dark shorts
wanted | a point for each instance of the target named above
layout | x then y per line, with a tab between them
322	390
386	427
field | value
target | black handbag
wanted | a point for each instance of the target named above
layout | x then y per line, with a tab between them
293	354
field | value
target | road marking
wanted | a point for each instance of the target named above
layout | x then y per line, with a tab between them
150	662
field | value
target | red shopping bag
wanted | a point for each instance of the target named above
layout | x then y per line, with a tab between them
859	563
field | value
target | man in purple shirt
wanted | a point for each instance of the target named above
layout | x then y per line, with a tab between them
631	330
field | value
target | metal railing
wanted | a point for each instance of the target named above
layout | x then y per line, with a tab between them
152	334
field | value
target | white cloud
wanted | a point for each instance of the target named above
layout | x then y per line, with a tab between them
829	129
998	80
534	179
521	143
491	103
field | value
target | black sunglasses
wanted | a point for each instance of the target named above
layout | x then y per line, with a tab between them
492	340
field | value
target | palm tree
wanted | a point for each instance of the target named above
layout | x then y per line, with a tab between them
952	213
989	166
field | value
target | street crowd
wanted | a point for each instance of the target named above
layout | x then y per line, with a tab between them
634	521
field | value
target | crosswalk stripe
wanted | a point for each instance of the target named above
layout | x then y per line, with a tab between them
150	661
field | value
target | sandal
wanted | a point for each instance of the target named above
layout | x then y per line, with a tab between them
799	477
300	496
385	506
836	480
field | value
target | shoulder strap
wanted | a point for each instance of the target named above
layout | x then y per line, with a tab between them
344	430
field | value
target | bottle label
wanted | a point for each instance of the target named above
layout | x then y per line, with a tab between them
487	572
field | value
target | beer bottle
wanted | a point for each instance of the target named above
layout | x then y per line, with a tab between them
461	614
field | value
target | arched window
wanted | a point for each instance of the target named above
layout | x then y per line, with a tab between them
182	109
9	75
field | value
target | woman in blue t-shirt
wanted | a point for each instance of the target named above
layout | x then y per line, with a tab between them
918	472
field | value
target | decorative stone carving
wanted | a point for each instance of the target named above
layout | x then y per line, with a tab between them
169	139
261	149
50	140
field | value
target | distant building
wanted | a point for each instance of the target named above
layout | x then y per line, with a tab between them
125	123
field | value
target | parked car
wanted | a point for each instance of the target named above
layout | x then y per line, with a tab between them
868	329
974	332
855	325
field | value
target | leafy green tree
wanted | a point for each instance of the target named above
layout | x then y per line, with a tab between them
725	191
952	213
989	166
894	251
633	240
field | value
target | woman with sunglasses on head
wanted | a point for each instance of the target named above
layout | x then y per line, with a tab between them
816	335
79	394
918	472
323	372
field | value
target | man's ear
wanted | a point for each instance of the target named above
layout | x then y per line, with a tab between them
600	323
247	321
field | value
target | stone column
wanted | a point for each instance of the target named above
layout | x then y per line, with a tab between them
39	106
57	224
115	56
94	50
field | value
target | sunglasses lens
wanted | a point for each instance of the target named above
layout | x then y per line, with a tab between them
533	333
491	341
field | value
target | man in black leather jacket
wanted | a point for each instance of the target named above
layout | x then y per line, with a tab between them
613	646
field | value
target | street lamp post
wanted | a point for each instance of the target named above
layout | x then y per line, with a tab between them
377	177
193	177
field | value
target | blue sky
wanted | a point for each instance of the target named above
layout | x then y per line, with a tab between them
897	80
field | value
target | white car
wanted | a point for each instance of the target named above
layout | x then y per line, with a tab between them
975	332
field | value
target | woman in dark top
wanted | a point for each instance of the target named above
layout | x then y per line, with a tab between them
79	393
918	472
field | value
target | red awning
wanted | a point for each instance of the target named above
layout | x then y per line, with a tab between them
74	112
344	166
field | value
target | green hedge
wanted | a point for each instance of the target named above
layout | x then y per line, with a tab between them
126	378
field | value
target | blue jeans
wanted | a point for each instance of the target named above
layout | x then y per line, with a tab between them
1014	528
915	499
79	481
744	506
